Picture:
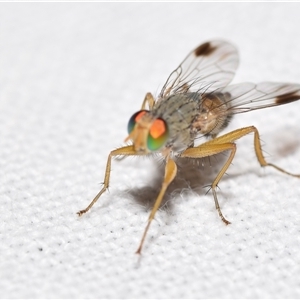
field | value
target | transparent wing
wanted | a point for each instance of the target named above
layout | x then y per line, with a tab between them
210	66
246	97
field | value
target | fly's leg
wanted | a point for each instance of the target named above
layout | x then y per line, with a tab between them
236	134
150	100
170	173
232	147
260	157
208	149
127	150
223	143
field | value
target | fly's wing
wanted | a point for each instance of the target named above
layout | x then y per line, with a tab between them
246	97
210	66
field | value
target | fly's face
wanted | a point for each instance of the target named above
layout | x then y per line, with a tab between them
147	133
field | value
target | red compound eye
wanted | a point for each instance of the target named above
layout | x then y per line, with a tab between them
158	135
158	128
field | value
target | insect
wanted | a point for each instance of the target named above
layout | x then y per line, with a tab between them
196	100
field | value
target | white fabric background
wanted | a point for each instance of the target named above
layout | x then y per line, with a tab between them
72	74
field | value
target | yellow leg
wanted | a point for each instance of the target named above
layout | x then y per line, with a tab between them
208	150
223	143
236	134
127	150
150	100
170	173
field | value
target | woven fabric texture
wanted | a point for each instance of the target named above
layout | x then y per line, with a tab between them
71	76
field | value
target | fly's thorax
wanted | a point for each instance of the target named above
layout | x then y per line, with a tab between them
213	116
179	111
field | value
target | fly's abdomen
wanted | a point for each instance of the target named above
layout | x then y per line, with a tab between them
213	114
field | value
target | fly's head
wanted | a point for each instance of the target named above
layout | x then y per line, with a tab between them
147	133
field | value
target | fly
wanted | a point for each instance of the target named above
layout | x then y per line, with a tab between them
196	100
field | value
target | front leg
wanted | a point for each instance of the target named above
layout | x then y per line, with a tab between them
170	173
150	100
127	150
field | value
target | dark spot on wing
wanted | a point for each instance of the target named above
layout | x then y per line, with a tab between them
287	98
204	49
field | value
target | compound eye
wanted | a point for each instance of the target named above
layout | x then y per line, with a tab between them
158	135
134	118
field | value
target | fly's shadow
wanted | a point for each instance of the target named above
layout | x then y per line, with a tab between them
194	176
